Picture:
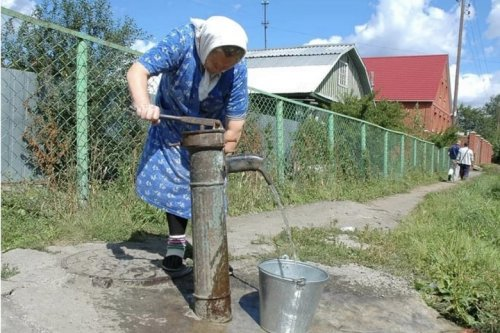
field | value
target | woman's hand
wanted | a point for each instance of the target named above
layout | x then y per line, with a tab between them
148	112
137	77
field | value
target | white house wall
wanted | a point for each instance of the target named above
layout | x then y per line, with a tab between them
287	80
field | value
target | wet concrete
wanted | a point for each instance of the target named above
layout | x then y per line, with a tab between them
99	287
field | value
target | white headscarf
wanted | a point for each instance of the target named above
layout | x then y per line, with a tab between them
211	33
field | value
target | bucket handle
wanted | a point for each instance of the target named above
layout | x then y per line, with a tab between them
299	283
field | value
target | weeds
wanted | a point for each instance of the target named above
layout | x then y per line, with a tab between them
8	271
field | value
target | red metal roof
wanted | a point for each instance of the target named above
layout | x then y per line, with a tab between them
406	78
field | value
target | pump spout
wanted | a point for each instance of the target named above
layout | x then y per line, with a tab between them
247	162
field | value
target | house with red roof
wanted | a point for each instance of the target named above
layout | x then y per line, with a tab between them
420	83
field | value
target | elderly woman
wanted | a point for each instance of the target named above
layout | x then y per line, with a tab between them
203	75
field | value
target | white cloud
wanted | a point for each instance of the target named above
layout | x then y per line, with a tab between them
490	50
331	40
493	20
142	45
23	6
473	89
407	27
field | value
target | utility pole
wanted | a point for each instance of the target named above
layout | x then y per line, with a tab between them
457	71
265	23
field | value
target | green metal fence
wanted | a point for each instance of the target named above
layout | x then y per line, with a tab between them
64	119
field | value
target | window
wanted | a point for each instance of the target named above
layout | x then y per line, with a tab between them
343	71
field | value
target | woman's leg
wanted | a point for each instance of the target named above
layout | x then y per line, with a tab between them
176	243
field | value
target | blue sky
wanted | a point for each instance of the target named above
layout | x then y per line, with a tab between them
376	27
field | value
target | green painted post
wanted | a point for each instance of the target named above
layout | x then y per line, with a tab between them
432	159
438	156
402	156
363	146
424	160
386	154
82	124
445	159
331	137
414	153
280	141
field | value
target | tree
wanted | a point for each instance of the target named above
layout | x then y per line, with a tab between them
471	119
484	121
52	54
492	129
386	114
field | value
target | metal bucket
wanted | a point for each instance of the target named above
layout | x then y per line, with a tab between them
289	295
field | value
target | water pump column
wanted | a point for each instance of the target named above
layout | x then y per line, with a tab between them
212	296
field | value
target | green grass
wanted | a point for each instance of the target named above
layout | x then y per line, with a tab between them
449	248
8	271
313	188
36	217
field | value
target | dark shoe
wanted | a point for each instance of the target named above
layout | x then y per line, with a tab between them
174	267
449	178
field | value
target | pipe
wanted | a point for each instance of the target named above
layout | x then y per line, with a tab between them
212	298
247	162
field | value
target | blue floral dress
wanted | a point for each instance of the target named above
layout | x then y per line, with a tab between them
163	174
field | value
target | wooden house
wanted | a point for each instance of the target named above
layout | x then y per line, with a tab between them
313	74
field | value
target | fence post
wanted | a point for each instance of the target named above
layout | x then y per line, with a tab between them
386	153
331	136
280	141
363	146
432	158
402	156
414	153
82	124
444	166
424	162
438	162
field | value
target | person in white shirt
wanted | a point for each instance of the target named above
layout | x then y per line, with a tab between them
465	159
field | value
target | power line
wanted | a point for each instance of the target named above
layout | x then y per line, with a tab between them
476	35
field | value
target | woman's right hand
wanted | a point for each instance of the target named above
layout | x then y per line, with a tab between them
148	112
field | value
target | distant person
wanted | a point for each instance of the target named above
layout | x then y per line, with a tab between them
465	159
454	169
203	75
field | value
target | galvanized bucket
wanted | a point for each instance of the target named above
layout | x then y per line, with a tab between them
289	295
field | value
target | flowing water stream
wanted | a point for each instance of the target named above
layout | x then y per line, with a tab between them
249	162
288	230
